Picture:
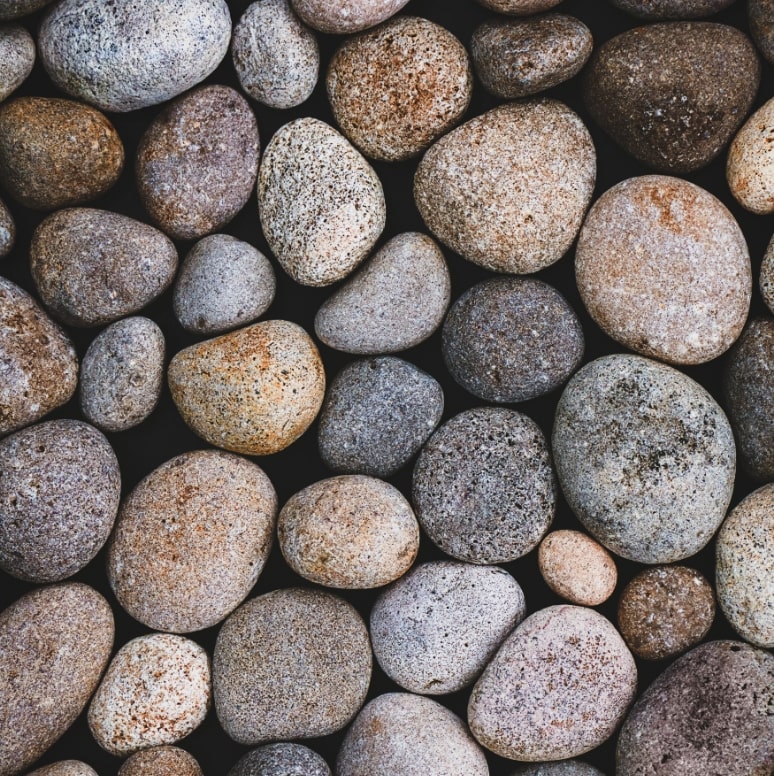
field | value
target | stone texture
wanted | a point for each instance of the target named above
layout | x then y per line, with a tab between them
65	768
518	7
671	9
17	57
161	761
561	768
343	17
12	9
766	280
7	230
761	19
750	164
281	760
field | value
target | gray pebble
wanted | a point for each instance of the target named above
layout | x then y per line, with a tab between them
60	487
377	414
17	57
395	302
435	629
223	283
671	9
281	760
161	761
346	16
65	768
122	374
560	768
761	18
13	9
483	486
645	458
7	230
766	280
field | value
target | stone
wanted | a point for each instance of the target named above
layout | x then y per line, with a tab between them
55	641
395	89
750	163
60	487
197	162
517	216
161	761
761	20
7	230
396	301
343	17
645	458
436	628
511	339
377	415
12	9
17	57
281	760
55	153
122	57
350	532
483	486
254	391
766	280
671	9
65	768
558	687
191	540
92	267
560	768
518	7
320	203
292	663
686	297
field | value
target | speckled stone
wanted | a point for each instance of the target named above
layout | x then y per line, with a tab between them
65	768
397	300
558	687
576	568
60	487
761	19
343	17
560	768
12	9
525	217
664	611
671	9
92	267
645	458
191	540
17	57
161	761
281	760
122	374
275	55
377	415
223	283
686	297
519	58
744	568
290	664
766	280
55	642
55	153
511	339
483	486
673	94
399	734
125	56
7	230
709	713
197	162
518	7
155	691
254	391
350	532
423	79
38	364
435	629
321	204
750	163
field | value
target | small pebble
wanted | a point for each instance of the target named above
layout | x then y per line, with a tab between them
483	486
65	768
518	7
421	73
761	19
558	687
155	691
223	283
254	391
561	768
321	204
290	664
17	56
750	164
377	415
281	760
350	532
511	339
434	630
7	230
161	761
671	9
766	280
12	9
276	56
397	300
342	17
525	217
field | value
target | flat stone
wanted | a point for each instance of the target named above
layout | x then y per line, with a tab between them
161	761
17	57
281	760
343	17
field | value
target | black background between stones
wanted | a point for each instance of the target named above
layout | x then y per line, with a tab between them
164	434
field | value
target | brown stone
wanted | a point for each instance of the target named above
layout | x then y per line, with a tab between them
161	761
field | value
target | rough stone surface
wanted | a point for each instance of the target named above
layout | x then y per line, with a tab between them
671	9
377	415
12	9
560	768
281	760
645	458
766	280
686	297
518	7
750	164
17	57
434	630
191	540
525	217
161	761
343	17
761	18
558	687
7	230
65	768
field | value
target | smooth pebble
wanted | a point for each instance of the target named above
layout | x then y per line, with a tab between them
671	9
17	57
750	163
7	230
161	761
65	768
559	768
342	17
518	7
281	760
761	19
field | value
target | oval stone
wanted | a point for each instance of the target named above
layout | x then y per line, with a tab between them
761	18
65	768
343	17
750	164
671	9
7	230
17	55
161	761
281	760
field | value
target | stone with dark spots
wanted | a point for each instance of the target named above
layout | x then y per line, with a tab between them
750	163
766	279
161	761
671	9
7	230
281	760
65	768
17	57
761	17
518	7
560	768
343	17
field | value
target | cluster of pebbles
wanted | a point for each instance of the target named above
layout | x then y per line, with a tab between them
335	468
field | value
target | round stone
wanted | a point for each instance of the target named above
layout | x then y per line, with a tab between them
161	761
395	89
377	415
281	760
65	768
434	630
17	55
686	298
761	19
766	280
342	17
558	687
518	7
671	9
511	339
645	458
750	164
7	230
12	9
559	768
483	486
525	217
191	540
290	664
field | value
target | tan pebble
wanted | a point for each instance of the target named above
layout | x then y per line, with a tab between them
750	165
161	761
345	16
65	768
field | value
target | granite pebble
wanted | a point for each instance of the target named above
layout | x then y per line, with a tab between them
7	230
13	9
671	9
766	279
559	768
281	760
17	57
343	17
518	7
65	768
750	163
761	19
161	761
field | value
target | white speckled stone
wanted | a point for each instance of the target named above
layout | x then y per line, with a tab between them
346	16
17	57
560	768
281	760
750	164
65	768
7	230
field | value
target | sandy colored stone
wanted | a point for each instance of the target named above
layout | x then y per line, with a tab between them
560	768
161	761
7	230
761	20
65	768
343	17
518	7
750	163
671	9
17	57
254	391
685	299
766	280
281	760
515	216
12	9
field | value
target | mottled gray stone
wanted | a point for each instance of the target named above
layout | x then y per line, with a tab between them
13	9
17	57
766	279
761	17
281	760
560	768
671	9
346	16
7	230
65	768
